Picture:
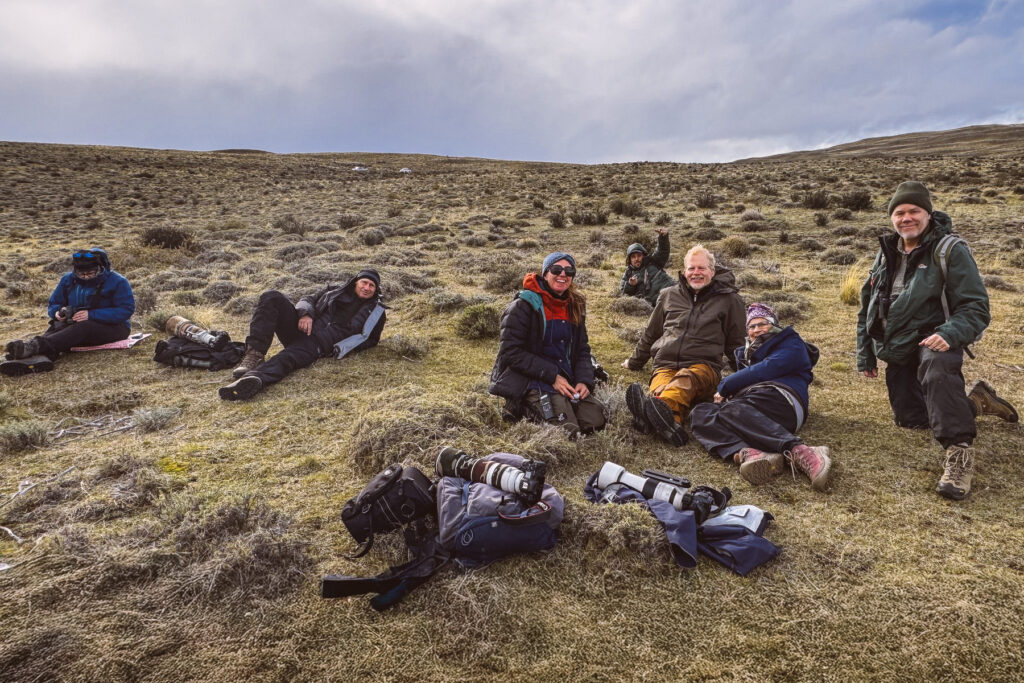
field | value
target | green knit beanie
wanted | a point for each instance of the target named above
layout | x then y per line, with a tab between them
911	192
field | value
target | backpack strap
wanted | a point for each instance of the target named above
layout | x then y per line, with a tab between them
941	256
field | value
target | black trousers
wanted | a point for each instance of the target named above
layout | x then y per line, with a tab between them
761	418
60	337
928	391
273	315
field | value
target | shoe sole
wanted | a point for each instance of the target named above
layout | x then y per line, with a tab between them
18	368
760	471
241	390
951	492
992	396
635	404
820	483
663	421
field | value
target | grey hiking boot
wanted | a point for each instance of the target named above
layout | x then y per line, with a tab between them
663	421
812	461
250	361
241	389
984	400
635	395
955	481
18	349
758	467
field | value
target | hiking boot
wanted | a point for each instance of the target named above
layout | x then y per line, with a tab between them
18	349
241	389
955	481
635	395
983	397
250	361
663	421
758	467
812	461
26	366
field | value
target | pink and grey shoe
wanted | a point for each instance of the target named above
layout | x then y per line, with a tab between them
758	467
812	461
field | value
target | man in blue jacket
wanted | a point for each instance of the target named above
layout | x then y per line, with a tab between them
90	306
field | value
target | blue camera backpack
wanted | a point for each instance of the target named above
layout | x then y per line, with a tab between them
479	524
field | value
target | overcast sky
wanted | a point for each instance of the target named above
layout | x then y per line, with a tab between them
597	81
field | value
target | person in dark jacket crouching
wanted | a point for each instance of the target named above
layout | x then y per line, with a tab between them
544	369
758	409
90	306
334	322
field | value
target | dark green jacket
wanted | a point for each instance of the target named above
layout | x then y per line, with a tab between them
651	276
917	313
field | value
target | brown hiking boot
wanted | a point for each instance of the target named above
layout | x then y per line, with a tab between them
812	461
757	467
250	361
955	481
985	402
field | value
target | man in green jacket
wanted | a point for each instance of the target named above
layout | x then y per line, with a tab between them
645	275
693	326
923	303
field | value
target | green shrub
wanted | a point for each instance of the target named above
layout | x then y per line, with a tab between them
478	321
21	434
856	200
705	199
815	199
371	237
290	225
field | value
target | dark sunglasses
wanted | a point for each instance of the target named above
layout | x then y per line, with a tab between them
558	270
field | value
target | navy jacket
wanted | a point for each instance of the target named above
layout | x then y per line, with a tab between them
108	297
783	359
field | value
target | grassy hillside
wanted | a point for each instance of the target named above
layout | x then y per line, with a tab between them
171	536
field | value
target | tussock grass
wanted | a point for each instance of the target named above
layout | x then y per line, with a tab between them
853	280
192	550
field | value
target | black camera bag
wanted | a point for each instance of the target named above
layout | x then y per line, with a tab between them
392	499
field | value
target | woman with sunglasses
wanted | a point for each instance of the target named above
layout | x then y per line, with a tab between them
544	369
758	409
90	306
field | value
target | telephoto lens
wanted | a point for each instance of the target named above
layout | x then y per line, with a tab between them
527	483
650	488
180	326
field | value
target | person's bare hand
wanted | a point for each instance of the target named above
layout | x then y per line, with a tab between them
582	390
871	374
718	397
562	386
661	231
633	280
625	364
80	316
935	343
306	324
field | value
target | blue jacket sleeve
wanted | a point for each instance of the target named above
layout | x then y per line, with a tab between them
59	297
786	359
118	305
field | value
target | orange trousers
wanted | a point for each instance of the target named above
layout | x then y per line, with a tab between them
683	389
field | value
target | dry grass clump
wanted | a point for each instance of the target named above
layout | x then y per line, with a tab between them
18	435
618	536
735	246
839	256
154	419
997	282
850	285
407	346
479	321
631	305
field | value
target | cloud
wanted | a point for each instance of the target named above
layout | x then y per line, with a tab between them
564	81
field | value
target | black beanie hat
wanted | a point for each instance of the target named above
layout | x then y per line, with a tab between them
911	192
369	274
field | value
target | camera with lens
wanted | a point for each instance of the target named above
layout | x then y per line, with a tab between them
65	314
526	481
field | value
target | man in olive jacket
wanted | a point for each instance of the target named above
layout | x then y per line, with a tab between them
923	303
693	326
645	274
